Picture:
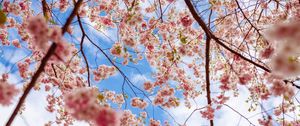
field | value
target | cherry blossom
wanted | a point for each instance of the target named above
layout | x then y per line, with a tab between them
88	57
8	91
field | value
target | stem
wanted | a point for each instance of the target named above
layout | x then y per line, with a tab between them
35	77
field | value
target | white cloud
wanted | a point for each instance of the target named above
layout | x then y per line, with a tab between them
138	78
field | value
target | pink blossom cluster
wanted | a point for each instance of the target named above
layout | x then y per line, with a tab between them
129	119
107	117
38	28
82	104
279	88
186	20
117	49
16	43
208	113
103	72
245	78
286	38
166	98
138	103
107	21
225	82
24	68
112	96
148	86
51	103
3	37
14	8
220	100
41	33
265	122
154	122
63	5
7	91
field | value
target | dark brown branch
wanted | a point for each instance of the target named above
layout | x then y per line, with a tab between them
82	52
73	14
207	58
161	12
52	65
31	84
35	77
210	34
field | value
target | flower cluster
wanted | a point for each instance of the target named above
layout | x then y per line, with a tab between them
186	20
148	86
24	67
117	50
63	5
129	119
82	104
103	72
139	103
3	37
7	91
154	122
37	26
208	113
14	8
281	88
107	117
166	98
286	37
115	98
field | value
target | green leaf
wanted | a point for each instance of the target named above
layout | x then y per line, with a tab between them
3	17
52	22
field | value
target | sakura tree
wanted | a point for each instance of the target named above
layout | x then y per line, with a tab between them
136	62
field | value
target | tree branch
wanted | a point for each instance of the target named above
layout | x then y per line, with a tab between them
81	50
35	77
210	34
207	51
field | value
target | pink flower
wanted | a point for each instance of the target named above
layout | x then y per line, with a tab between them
244	79
7	92
139	103
208	113
148	86
16	43
186	21
107	117
117	49
225	83
265	122
103	72
38	28
82	103
106	21
266	53
23	69
154	122
281	88
278	88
